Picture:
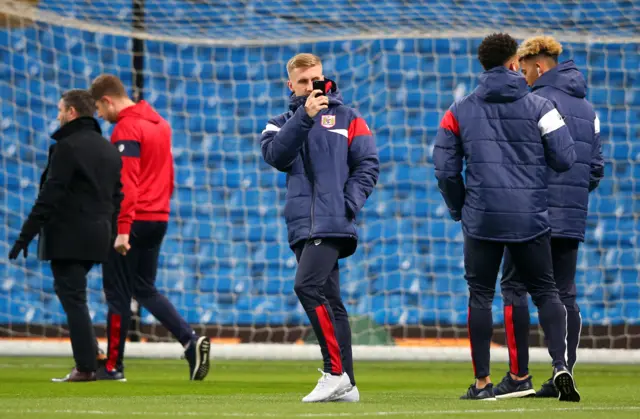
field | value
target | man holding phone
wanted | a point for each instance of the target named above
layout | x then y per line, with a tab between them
330	158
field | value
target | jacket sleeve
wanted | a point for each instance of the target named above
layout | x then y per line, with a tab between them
447	159
128	143
559	148
364	166
53	191
597	161
118	196
281	143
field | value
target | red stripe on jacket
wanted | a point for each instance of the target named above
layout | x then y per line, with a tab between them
357	127
449	122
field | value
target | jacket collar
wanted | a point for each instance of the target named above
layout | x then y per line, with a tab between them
565	77
84	123
501	85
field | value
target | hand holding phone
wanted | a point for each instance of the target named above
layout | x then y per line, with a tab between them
316	102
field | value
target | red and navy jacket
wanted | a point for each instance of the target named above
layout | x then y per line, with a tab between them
508	137
143	138
331	164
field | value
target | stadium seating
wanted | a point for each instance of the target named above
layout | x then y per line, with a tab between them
225	259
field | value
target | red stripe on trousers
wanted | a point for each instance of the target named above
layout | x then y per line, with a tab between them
511	339
473	362
114	341
330	339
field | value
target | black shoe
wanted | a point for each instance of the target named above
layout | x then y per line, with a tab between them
104	375
563	380
509	388
548	390
197	354
475	393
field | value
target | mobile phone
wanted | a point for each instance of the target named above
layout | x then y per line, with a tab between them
320	85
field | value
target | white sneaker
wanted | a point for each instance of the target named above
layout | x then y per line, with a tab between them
327	386
351	396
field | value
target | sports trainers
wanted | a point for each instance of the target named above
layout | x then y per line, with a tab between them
104	375
351	396
509	388
563	380
328	386
474	393
197	355
548	389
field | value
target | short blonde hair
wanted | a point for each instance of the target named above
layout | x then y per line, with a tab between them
304	60
546	45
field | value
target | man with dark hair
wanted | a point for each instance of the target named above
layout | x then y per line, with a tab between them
143	138
564	85
507	137
79	198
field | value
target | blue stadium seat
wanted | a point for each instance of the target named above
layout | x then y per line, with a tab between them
225	259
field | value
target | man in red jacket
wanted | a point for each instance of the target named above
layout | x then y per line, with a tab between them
143	138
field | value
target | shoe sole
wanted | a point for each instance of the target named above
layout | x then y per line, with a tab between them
547	396
567	387
487	399
119	380
517	394
337	396
331	395
201	369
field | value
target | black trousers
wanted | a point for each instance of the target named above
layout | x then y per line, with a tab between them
482	261
317	286
134	275
564	255
70	285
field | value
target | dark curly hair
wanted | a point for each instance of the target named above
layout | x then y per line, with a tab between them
496	49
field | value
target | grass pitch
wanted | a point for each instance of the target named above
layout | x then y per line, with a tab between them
160	389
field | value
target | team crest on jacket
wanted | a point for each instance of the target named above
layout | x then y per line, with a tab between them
328	121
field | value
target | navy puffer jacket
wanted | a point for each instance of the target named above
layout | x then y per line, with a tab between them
566	87
507	136
332	166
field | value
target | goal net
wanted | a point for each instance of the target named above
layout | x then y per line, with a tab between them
216	71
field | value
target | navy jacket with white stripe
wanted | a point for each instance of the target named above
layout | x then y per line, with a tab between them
331	164
566	88
507	136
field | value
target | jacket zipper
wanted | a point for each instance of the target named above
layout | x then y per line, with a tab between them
313	208
307	166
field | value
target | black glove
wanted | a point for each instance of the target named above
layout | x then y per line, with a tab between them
19	246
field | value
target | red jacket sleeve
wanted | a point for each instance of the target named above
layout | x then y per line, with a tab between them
128	143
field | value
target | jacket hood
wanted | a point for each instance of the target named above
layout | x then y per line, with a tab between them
84	123
141	110
335	97
501	85
566	77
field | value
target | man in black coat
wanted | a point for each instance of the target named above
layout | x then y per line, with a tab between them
79	198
